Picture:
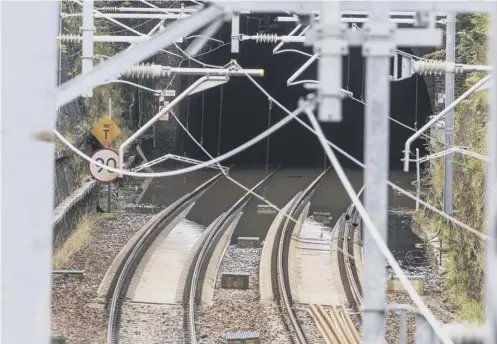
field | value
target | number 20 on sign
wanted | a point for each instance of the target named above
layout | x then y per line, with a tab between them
107	157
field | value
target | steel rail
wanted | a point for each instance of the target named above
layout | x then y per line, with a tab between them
202	259
352	279
127	269
283	241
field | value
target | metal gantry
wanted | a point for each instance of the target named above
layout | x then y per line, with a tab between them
27	240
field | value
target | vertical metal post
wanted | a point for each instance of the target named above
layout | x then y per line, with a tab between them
27	182
403	327
424	333
377	49
331	48
268	138
87	32
418	179
110	184
450	56
491	197
220	122
235	33
59	52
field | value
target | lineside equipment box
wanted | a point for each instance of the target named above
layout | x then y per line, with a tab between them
248	242
243	337
238	280
416	281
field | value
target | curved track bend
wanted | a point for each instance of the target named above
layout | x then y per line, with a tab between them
279	263
193	284
127	269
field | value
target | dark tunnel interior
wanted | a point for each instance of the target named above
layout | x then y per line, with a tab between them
245	109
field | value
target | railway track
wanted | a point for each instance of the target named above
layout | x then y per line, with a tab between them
194	282
336	326
126	271
348	271
279	264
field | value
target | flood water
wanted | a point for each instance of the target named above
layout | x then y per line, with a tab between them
162	192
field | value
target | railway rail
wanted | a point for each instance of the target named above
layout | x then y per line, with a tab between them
337	326
127	269
193	285
279	264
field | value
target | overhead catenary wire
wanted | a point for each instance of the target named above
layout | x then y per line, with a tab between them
359	163
428	315
249	143
253	193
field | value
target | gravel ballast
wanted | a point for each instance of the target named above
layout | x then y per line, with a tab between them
151	323
75	315
239	310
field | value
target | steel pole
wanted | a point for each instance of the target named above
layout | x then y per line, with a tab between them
27	161
491	197
87	33
450	57
418	179
109	187
378	50
235	33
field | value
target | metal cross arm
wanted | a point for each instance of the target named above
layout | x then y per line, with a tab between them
355	20
306	7
158	71
189	9
109	39
161	16
402	37
111	68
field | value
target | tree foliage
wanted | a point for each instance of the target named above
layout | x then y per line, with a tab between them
463	250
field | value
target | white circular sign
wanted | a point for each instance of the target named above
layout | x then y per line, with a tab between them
107	157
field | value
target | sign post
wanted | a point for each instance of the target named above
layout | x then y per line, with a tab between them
110	184
105	131
107	157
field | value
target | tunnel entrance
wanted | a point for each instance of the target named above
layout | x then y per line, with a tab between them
225	117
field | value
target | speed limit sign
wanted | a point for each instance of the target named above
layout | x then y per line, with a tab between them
106	157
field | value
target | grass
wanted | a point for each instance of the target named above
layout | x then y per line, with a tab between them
77	240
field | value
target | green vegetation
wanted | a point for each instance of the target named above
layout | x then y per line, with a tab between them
463	251
78	239
97	106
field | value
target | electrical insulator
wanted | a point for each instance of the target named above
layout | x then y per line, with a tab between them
266	38
70	38
109	9
429	67
143	71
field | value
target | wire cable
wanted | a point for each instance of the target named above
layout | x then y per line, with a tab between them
253	193
359	163
220	158
195	60
293	51
428	315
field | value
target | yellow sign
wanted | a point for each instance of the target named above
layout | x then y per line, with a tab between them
106	131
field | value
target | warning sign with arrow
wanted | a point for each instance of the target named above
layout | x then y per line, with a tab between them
106	131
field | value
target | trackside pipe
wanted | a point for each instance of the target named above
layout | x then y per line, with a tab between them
302	69
435	119
154	119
